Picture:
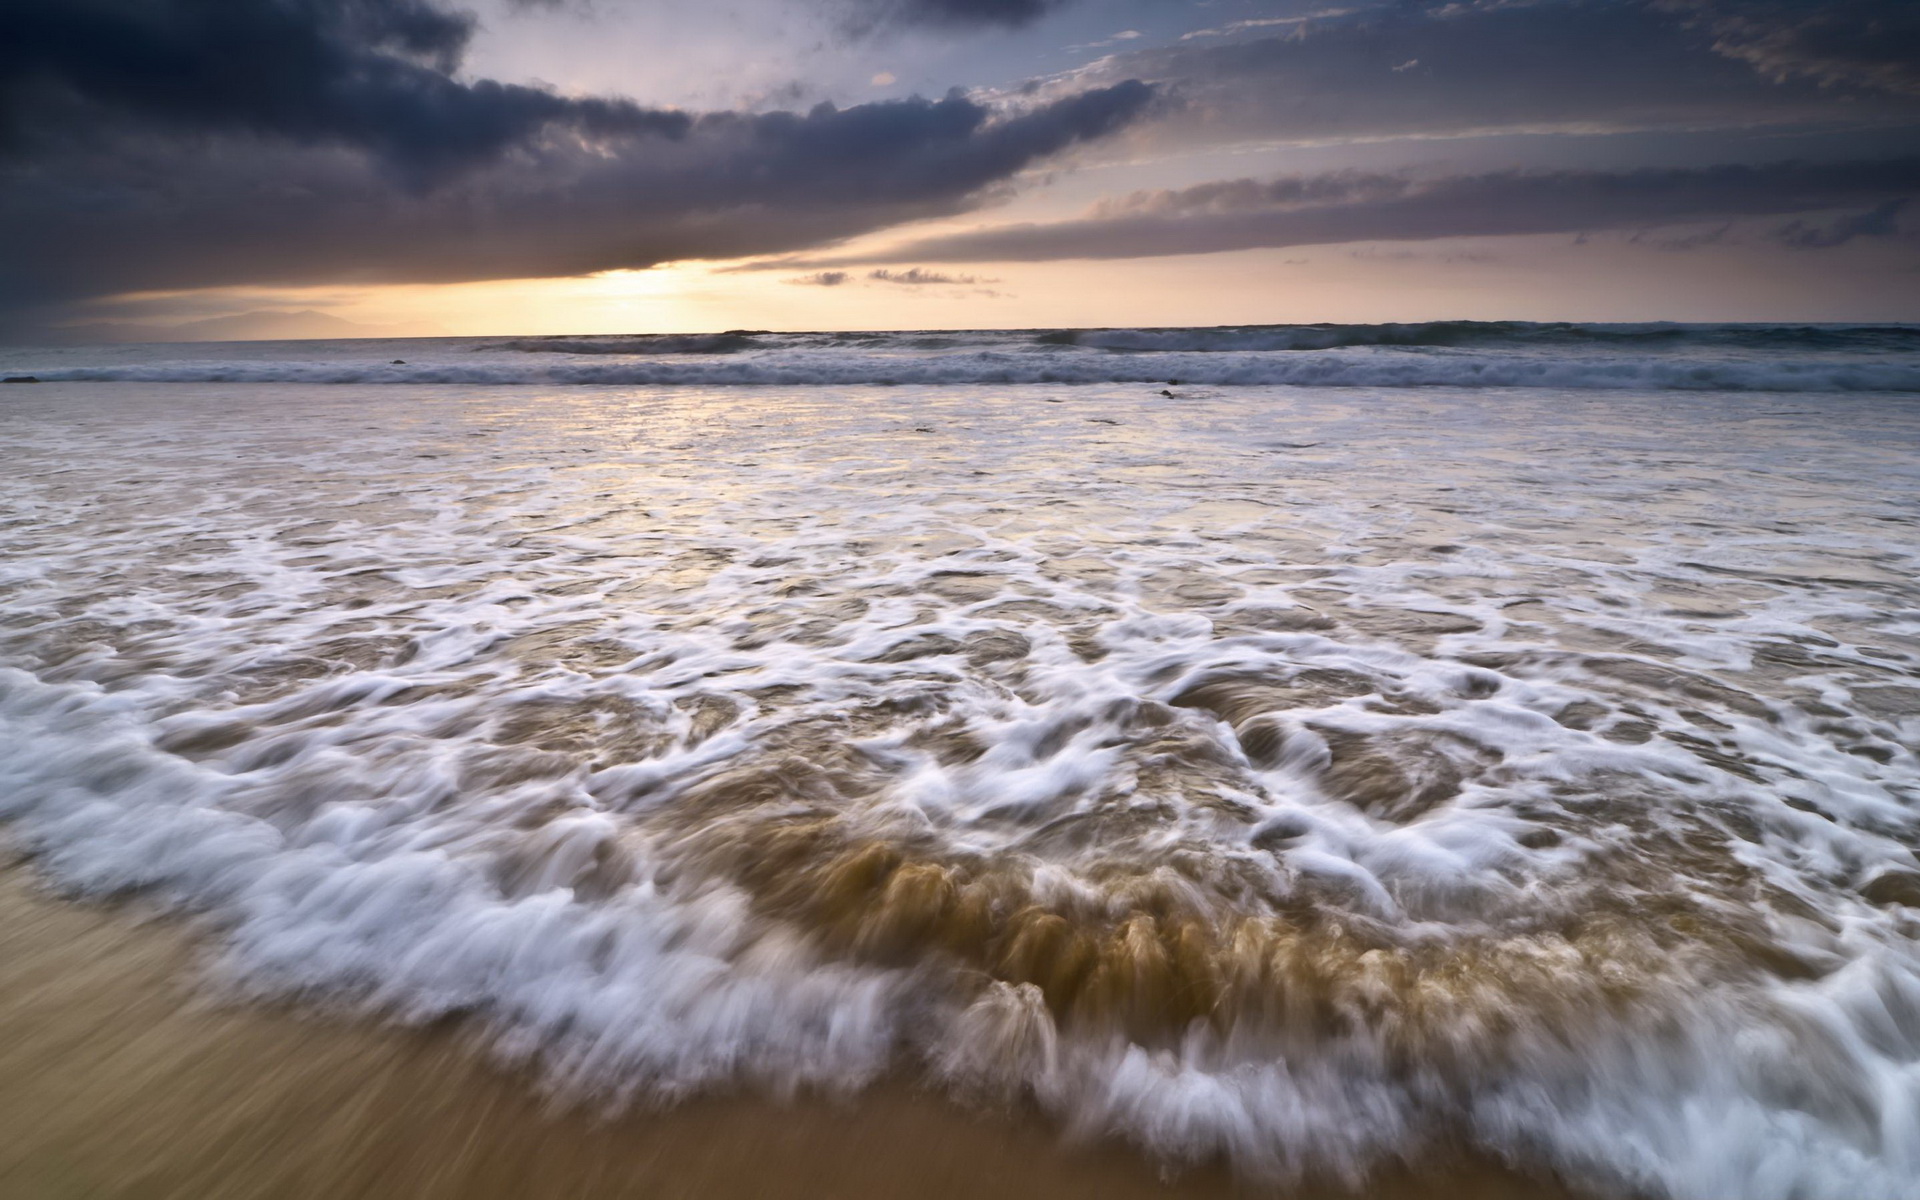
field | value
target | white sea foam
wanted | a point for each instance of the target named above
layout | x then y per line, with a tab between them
1435	354
800	369
1604	707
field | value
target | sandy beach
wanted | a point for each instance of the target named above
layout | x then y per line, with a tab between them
121	1076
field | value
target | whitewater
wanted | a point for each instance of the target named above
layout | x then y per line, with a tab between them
1786	358
1302	747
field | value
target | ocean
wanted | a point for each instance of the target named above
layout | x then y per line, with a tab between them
1297	748
1656	356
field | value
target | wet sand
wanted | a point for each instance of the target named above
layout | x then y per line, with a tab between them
121	1077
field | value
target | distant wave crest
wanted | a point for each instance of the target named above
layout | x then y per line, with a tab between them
1658	336
1435	354
1180	369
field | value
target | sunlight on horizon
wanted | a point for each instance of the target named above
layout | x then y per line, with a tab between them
1472	279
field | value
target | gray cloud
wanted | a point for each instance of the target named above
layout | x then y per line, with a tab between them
1866	43
911	277
1718	235
919	276
1880	221
1356	206
1427	68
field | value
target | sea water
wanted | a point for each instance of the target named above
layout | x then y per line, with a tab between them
1303	746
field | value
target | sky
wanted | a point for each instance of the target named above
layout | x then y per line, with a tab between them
601	166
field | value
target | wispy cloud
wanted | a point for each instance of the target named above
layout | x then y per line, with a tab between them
911	277
1258	23
1116	39
1880	221
919	276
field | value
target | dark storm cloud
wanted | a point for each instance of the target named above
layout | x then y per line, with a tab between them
187	143
373	74
1444	69
869	14
136	212
1354	207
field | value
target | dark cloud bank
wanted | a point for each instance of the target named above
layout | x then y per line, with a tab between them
1451	67
1352	206
370	74
183	143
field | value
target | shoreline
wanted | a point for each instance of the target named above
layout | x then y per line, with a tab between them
121	1077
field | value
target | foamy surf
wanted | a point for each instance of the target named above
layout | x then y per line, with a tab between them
1440	354
1304	778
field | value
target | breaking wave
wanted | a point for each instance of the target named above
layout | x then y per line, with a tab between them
1446	354
1159	369
1493	335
